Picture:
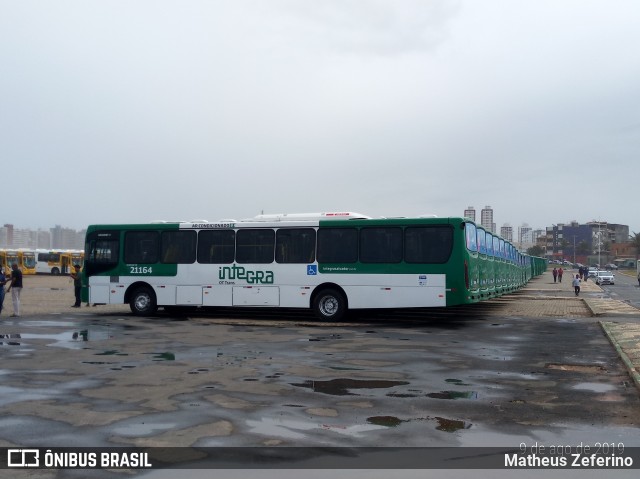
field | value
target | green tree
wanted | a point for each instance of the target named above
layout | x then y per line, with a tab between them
535	251
582	248
635	242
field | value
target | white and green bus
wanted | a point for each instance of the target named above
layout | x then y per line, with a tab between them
329	262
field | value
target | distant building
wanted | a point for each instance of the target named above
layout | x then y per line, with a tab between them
525	236
470	213
55	238
506	231
585	243
486	219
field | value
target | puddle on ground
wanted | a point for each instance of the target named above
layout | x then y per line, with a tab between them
72	339
166	356
111	352
10	339
297	429
451	425
454	395
340	387
444	424
387	421
595	387
457	382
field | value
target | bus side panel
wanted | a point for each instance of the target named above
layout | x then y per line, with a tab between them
396	291
217	296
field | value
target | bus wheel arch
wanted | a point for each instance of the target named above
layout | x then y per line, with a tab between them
142	299
329	302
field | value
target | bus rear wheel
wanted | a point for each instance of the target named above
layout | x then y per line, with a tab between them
329	305
143	302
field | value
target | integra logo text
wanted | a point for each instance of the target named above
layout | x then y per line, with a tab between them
239	272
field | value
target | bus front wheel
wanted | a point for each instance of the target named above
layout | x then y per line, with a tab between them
143	302
329	305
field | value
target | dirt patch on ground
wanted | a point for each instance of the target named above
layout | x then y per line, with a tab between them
44	294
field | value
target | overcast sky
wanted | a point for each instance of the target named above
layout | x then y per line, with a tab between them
131	111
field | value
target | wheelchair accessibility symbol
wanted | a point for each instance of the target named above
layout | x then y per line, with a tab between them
312	270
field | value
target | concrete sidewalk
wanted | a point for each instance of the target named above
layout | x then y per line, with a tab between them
624	333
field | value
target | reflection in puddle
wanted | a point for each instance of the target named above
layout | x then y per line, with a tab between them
454	395
73	339
295	429
595	387
444	424
450	425
166	356
10	337
457	382
340	387
387	421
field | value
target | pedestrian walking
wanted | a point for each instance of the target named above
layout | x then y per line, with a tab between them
576	284
555	274
3	281
16	288
560	271
77	284
638	279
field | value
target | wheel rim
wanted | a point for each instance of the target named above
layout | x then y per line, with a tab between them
329	306
142	302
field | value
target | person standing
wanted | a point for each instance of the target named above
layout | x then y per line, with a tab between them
638	279
560	271
576	284
77	284
3	281
16	288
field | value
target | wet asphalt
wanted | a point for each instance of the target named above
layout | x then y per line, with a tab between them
476	376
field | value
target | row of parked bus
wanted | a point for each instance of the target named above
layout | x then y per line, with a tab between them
495	266
328	262
41	261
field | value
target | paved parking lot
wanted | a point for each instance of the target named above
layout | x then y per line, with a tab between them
532	366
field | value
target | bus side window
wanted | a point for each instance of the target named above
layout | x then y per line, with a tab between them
337	245
295	245
178	247
216	246
141	247
255	246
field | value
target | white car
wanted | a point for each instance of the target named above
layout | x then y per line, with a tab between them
604	277
593	272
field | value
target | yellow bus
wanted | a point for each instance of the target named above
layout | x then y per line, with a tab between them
24	258
27	261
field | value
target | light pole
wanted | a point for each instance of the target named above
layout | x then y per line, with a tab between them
599	243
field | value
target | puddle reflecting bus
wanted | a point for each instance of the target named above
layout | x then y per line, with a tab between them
328	262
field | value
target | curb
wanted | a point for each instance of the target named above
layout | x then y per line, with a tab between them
633	372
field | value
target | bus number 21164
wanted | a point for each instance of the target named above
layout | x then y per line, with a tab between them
141	269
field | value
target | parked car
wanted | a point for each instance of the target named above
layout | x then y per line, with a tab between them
610	266
604	277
